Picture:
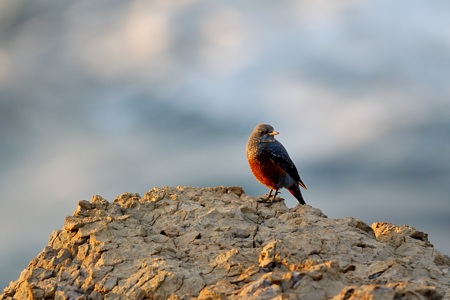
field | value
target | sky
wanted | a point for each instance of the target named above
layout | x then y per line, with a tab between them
109	97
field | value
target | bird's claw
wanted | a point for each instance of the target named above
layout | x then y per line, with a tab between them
270	199
277	199
264	200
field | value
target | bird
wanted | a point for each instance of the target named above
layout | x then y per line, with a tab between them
270	163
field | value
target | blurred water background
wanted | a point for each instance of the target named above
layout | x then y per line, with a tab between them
112	96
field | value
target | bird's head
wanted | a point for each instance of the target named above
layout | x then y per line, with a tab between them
265	132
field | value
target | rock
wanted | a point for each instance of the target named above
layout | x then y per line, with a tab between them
217	243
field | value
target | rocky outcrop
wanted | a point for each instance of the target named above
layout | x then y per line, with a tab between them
218	243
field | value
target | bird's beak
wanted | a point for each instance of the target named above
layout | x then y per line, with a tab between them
274	133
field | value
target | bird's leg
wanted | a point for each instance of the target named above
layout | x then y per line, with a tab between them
275	195
266	199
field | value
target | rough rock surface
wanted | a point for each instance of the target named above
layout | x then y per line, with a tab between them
218	243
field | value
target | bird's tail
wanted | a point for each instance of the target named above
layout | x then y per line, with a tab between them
295	191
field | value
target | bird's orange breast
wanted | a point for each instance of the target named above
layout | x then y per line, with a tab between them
267	172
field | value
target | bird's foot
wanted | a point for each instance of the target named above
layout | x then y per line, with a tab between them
264	200
277	199
270	199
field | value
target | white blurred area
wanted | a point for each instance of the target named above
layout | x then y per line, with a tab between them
109	97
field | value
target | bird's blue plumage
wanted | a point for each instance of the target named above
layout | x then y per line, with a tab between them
280	156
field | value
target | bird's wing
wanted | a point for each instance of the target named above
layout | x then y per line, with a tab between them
278	154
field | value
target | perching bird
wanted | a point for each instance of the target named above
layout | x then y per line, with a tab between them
271	164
